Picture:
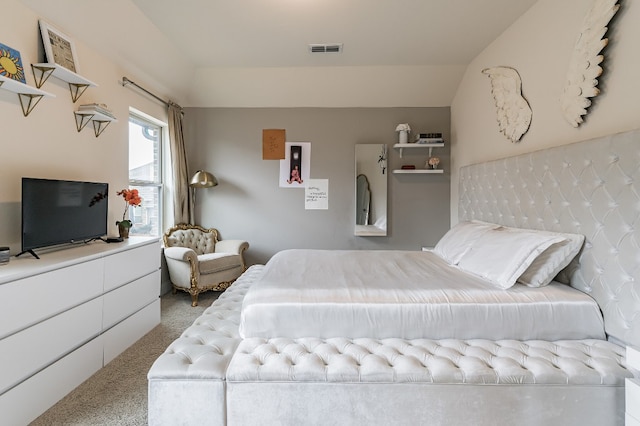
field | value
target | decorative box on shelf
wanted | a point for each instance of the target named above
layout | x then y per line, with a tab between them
427	138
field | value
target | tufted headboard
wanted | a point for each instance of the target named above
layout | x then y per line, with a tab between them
590	188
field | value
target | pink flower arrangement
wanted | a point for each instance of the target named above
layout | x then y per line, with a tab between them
131	198
433	162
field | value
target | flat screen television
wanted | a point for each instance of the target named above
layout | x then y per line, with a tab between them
58	212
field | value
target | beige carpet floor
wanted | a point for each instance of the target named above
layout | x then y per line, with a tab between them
117	394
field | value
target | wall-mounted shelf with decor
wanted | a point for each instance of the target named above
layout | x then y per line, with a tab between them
77	83
100	121
433	143
29	96
430	146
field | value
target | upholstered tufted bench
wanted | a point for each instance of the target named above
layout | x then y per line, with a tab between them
587	362
191	372
443	381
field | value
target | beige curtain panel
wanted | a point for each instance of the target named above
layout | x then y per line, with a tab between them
181	204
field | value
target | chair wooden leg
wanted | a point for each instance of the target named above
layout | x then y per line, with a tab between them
194	299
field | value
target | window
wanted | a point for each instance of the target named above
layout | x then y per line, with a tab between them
145	174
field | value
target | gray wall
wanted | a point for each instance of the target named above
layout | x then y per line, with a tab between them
249	204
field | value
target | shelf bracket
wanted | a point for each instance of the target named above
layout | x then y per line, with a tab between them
99	126
41	74
82	120
77	90
28	102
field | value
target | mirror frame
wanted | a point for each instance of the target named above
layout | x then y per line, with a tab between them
371	161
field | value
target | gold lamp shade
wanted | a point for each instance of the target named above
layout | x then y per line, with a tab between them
202	179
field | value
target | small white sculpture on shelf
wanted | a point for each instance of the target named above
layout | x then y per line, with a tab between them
403	132
584	66
513	111
432	163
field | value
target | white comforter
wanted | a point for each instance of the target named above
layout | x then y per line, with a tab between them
405	294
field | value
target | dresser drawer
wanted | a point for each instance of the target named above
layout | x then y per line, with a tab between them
127	299
128	265
29	300
25	402
27	352
124	334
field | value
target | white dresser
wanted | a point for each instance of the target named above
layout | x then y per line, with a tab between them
66	315
632	388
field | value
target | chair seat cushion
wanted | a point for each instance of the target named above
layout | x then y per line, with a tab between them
210	263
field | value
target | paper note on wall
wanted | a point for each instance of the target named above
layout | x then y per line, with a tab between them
273	144
316	194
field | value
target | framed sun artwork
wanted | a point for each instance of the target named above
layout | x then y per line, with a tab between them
11	64
58	47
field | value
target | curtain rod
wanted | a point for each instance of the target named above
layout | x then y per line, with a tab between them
126	81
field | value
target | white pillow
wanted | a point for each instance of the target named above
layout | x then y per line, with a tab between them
455	243
553	260
503	254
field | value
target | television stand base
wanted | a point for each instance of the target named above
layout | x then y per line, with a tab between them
114	239
33	253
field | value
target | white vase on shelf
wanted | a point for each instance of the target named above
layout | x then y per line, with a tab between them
403	130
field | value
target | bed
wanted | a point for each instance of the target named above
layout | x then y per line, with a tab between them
499	333
408	295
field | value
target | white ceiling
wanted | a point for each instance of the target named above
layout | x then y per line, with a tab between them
172	41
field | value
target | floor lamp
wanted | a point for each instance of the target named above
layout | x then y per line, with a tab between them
200	179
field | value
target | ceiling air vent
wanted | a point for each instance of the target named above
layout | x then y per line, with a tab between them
325	48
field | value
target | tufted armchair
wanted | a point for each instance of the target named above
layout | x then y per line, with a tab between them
198	262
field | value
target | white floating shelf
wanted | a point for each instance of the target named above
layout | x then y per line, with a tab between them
29	96
100	121
65	74
21	88
77	83
419	171
430	146
96	115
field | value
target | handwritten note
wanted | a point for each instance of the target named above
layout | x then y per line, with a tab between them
316	194
273	144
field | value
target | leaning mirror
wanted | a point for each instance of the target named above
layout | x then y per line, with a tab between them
371	190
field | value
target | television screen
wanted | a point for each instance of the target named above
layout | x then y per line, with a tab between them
61	211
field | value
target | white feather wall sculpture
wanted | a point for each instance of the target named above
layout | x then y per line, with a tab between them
513	111
584	67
